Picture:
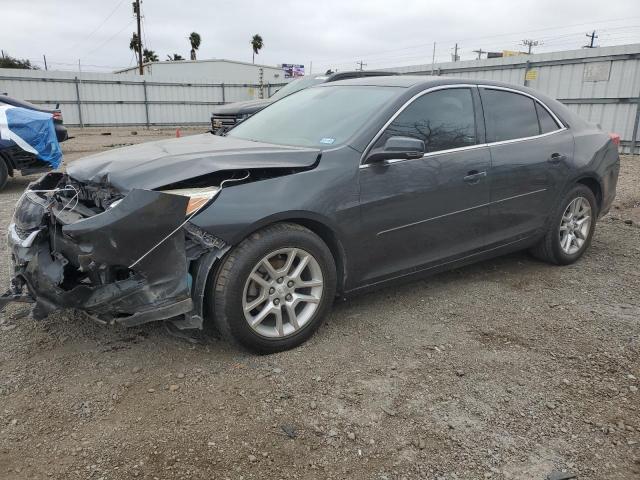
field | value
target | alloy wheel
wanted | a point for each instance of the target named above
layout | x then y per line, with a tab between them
282	292
575	226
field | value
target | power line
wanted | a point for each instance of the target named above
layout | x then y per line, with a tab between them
144	30
98	27
72	64
571	40
422	45
110	38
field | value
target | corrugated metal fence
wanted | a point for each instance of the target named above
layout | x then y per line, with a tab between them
93	99
601	84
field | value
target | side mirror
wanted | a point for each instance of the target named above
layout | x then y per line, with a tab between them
394	148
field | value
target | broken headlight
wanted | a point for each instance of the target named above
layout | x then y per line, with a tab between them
198	197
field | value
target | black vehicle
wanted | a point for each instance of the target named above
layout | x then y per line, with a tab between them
225	117
259	231
13	158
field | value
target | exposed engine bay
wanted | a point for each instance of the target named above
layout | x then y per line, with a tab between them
114	236
121	258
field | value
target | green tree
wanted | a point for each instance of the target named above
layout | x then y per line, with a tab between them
174	58
194	40
134	43
256	45
7	61
149	56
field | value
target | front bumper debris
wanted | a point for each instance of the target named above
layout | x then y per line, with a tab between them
69	256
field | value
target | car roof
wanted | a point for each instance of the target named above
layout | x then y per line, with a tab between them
337	76
417	83
427	81
21	103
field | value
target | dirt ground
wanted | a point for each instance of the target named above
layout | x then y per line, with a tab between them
507	369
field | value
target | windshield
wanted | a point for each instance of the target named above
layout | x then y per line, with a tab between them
297	85
315	117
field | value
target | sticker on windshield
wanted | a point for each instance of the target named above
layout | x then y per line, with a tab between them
327	141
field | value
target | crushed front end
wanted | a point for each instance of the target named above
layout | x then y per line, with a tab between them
121	258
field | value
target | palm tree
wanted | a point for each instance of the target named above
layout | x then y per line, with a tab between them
149	56
174	58
134	43
194	39
256	44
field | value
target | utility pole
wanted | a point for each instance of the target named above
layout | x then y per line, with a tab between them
362	65
136	11
45	62
479	52
433	58
530	43
455	53
593	37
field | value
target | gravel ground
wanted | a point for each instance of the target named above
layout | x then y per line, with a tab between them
508	369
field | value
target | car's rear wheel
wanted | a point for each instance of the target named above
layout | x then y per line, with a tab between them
571	228
273	290
4	173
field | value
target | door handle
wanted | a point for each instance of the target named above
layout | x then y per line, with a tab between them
556	158
474	176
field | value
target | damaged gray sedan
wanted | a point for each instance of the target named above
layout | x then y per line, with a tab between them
334	190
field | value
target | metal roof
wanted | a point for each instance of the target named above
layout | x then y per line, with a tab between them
209	60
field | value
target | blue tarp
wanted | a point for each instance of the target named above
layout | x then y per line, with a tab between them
32	131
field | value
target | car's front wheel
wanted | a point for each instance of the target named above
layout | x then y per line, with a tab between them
571	228
273	290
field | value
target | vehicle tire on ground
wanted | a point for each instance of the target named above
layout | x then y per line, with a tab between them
272	290
4	173
570	229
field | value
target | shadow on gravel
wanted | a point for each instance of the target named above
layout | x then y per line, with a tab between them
18	184
68	327
490	270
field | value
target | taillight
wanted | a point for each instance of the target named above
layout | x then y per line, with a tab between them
615	138
57	116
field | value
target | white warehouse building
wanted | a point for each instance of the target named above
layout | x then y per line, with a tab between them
212	71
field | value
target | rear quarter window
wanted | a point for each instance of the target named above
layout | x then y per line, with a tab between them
509	115
547	123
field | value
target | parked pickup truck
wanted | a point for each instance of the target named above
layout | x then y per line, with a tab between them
225	117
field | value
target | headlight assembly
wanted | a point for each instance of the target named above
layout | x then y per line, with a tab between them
198	197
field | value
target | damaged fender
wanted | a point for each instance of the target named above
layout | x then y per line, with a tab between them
87	264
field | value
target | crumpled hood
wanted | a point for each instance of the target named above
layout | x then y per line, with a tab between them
156	164
247	107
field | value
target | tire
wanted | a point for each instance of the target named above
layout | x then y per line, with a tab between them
553	246
4	173
243	280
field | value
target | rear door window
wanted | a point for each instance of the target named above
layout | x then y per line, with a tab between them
547	123
509	115
443	119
